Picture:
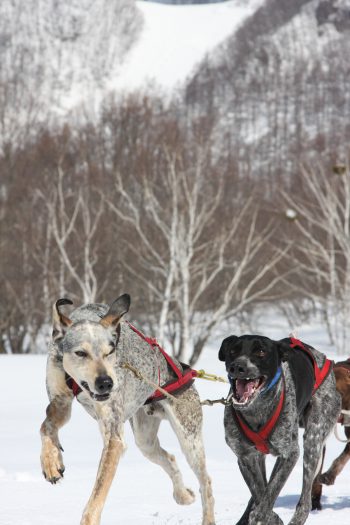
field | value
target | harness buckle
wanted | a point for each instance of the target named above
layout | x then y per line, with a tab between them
202	374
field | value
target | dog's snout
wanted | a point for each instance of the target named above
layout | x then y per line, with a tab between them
238	369
103	384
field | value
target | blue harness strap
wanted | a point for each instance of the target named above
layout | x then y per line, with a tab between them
273	381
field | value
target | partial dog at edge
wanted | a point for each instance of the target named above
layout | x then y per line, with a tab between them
90	347
342	377
289	384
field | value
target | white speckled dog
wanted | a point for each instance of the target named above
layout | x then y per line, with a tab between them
90	348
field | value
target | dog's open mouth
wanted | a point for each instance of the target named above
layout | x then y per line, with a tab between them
245	390
93	395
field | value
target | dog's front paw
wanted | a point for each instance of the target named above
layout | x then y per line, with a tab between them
184	496
51	462
327	478
257	517
275	519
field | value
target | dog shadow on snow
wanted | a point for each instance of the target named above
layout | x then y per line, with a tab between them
335	503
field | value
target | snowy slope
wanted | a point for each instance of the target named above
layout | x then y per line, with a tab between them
141	492
58	56
54	55
278	84
176	37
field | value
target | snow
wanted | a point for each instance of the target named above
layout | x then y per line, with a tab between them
55	55
76	53
175	38
141	492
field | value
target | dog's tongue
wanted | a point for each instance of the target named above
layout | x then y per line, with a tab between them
244	388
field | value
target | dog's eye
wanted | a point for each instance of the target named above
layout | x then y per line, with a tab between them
81	353
111	351
261	353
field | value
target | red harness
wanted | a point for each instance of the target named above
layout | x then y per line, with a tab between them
320	373
75	388
261	438
184	378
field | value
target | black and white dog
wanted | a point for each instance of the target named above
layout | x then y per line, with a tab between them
277	386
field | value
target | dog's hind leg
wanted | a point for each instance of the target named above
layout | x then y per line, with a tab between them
312	453
328	478
316	491
317	429
145	428
186	420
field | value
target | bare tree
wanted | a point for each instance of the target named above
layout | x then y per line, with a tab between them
200	257
74	218
323	247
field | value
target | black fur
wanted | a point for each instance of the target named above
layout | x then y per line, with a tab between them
302	370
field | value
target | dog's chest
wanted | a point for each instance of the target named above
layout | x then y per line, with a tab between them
282	431
89	405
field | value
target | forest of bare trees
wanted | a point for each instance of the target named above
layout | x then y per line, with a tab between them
278	87
142	201
57	55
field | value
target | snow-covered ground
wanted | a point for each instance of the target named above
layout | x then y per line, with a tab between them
141	491
177	37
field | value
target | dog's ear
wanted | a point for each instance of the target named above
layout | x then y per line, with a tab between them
284	350
60	322
225	346
116	311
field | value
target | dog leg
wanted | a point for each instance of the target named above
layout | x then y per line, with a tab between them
186	421
259	509
145	428
316	491
244	519
313	445
253	470
328	478
279	476
112	451
57	414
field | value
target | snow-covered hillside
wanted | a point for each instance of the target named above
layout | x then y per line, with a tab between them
57	56
141	491
175	38
276	75
53	55
279	84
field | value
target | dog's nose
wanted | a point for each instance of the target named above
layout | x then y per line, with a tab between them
103	384
238	369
